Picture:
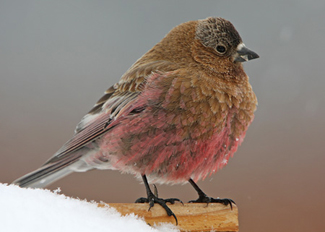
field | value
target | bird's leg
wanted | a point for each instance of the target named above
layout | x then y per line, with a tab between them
203	198
153	198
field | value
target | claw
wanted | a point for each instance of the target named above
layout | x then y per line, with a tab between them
203	198
206	199
153	198
173	200
141	200
224	201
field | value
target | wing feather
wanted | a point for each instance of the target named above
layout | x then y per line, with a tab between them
119	100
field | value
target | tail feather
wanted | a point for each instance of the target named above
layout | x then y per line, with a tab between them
49	173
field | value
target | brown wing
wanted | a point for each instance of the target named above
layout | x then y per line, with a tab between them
117	100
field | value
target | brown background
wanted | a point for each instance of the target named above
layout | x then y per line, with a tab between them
57	58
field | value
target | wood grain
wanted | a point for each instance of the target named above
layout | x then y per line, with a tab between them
191	216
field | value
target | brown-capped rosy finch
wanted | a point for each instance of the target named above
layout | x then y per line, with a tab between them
176	115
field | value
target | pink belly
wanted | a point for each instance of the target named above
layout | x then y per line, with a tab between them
152	146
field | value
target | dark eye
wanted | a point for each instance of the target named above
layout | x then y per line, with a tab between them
221	49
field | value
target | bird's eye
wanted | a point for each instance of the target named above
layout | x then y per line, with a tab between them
221	49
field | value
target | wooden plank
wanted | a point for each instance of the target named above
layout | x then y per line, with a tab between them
191	216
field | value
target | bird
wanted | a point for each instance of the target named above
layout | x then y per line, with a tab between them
176	115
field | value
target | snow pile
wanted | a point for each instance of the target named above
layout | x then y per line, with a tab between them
42	210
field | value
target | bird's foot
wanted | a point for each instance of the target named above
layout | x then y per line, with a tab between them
152	199
206	199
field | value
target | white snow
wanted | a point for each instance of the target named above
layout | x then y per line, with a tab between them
42	210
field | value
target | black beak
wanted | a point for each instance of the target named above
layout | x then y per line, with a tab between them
244	54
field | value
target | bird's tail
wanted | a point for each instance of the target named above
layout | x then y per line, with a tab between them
51	171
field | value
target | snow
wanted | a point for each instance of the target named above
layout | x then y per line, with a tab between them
43	210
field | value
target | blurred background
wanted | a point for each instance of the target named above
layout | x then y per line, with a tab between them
58	57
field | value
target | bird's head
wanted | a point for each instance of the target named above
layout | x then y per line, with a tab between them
220	38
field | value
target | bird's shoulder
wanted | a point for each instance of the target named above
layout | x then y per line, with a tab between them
132	82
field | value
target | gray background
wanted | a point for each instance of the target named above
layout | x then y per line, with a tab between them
58	57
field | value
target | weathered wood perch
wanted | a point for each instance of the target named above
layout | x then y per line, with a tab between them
191	216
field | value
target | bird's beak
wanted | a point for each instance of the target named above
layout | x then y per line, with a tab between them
244	54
